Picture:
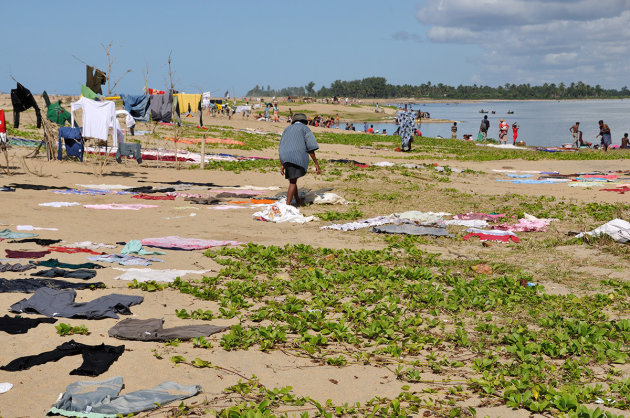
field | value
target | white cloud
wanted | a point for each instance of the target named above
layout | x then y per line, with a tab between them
537	40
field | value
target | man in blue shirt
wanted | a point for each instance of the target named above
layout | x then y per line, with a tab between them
296	145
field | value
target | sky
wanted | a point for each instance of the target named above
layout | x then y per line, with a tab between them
235	45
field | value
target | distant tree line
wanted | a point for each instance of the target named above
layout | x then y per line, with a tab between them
377	87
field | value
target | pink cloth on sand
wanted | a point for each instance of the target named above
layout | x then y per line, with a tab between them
180	243
120	206
478	216
524	225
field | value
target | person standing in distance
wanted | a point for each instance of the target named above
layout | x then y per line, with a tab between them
515	128
604	132
454	131
575	132
483	128
296	145
503	131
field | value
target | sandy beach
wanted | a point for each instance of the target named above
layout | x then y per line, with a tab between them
469	186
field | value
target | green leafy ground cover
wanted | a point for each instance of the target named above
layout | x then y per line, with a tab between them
484	337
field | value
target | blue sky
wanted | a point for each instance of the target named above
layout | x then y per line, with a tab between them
228	45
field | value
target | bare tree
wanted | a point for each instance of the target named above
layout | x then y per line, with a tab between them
175	125
146	80
111	59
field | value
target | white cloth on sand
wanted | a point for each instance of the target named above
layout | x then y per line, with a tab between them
490	232
330	199
5	387
88	244
366	223
34	228
617	229
281	212
423	217
59	204
145	275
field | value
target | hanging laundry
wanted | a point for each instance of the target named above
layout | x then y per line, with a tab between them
129	120
18	325
98	117
188	104
22	100
73	141
161	107
96	358
129	149
137	106
94	79
61	303
57	114
154	91
100	399
187	244
152	330
32	285
88	93
3	129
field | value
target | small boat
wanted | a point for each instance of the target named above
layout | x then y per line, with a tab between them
493	112
483	111
510	112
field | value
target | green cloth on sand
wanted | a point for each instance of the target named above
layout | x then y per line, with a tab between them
135	246
8	234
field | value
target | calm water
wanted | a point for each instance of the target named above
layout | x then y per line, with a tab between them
543	123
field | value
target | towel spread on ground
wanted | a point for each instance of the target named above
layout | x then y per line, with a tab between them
60	303
179	243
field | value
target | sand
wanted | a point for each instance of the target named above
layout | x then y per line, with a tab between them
35	390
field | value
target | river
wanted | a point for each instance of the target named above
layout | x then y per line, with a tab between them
543	123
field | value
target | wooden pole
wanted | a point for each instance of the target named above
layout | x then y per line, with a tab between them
203	152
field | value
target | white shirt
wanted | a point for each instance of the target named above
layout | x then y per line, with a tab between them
98	117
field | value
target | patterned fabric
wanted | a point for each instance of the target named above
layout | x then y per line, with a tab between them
407	121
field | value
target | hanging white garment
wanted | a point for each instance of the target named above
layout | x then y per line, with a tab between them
98	117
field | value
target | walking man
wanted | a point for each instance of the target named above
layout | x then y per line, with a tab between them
296	145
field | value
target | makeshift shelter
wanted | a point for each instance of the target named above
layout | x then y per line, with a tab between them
22	100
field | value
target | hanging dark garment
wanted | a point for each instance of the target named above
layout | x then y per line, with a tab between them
161	107
17	325
94	79
22	99
96	358
32	285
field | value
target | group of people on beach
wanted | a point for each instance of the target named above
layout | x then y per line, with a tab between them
504	127
604	135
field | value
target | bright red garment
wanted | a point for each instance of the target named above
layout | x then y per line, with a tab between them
72	250
152	197
153	91
486	237
620	190
3	125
